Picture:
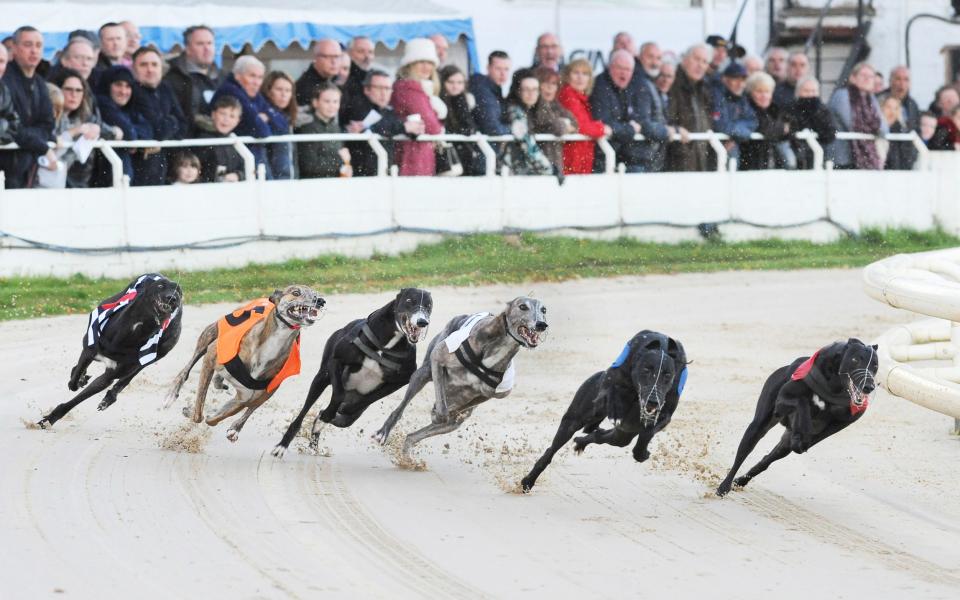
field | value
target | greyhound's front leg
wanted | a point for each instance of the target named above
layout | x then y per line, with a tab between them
338	373
614	437
234	431
419	379
78	376
441	409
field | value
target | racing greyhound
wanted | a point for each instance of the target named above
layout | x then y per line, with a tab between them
365	361
469	362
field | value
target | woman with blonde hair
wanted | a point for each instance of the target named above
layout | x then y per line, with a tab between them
576	85
415	98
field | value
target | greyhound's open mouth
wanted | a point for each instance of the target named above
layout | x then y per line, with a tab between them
649	412
413	331
858	399
305	314
530	337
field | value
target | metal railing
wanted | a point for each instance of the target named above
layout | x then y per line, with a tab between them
714	139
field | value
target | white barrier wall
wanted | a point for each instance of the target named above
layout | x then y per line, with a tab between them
236	224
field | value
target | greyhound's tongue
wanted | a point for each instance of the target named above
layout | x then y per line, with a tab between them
855	410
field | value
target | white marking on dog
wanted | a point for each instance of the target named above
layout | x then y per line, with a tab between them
107	362
819	403
367	379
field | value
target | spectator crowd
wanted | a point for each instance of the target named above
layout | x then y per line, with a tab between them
646	103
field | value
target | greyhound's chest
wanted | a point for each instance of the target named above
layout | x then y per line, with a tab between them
368	378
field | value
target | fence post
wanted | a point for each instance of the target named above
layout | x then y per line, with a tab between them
609	156
923	154
116	165
383	160
720	151
489	155
249	163
811	140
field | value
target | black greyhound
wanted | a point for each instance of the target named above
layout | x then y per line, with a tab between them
813	398
126	332
366	361
639	393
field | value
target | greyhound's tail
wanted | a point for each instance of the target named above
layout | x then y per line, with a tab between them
207	337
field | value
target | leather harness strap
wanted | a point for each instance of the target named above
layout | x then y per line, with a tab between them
471	362
241	373
378	353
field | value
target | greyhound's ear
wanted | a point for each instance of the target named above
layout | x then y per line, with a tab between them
673	349
275	296
652	345
875	347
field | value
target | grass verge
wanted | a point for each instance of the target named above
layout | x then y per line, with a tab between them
476	260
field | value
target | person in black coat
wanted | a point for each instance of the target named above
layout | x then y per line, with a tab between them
9	120
771	123
221	163
194	77
156	101
117	108
615	103
809	112
460	104
31	101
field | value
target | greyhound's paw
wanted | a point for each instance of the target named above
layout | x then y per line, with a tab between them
44	423
107	401
724	489
526	484
233	435
381	436
579	444
799	444
187	412
741	481
73	385
278	451
641	456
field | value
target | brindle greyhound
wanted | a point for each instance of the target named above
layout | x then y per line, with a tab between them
639	393
475	369
813	398
262	355
126	332
366	361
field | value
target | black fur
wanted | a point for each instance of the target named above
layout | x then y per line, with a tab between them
647	379
791	403
125	333
342	358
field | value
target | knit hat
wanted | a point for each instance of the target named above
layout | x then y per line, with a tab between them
112	75
419	49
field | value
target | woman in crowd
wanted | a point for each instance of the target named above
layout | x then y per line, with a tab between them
256	117
80	118
946	136
895	155
762	154
551	117
524	156
574	95
809	112
282	114
460	104
856	109
415	97
114	90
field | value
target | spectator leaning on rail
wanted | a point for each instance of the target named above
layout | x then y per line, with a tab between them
651	107
155	100
892	154
771	123
361	53
548	53
244	84
460	104
809	112
81	118
194	77
330	158
415	93
117	108
376	116
282	113
689	110
324	69
615	103
732	113
221	163
31	101
904	153
574	95
856	109
488	92
798	67
552	117
928	126
9	120
524	156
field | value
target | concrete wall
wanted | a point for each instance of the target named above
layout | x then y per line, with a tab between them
361	216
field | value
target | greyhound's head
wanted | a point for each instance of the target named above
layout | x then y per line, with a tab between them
165	297
298	305
412	310
526	321
858	367
653	374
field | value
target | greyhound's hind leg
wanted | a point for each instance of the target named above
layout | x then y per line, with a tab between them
754	433
569	425
234	431
204	342
779	451
319	383
206	374
613	437
96	386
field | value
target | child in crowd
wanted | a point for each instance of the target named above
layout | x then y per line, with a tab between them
185	168
928	125
221	163
323	159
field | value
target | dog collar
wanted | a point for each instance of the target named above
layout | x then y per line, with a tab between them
510	333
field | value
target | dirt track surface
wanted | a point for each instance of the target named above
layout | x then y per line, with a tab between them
112	504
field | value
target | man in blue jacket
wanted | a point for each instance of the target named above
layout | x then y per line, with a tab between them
614	102
488	92
156	101
31	101
732	113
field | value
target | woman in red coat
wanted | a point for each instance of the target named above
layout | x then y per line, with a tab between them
415	93
577	81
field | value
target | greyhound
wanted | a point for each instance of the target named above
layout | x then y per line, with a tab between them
253	349
813	398
469	362
639	393
366	360
126	332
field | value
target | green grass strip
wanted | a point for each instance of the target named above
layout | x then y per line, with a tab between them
473	260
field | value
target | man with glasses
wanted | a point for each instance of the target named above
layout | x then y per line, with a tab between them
373	113
324	69
548	53
79	55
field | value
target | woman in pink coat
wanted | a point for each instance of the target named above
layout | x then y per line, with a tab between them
415	93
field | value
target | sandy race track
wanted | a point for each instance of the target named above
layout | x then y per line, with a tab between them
130	503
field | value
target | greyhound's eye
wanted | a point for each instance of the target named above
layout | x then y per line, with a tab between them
409	301
524	307
295	292
543	310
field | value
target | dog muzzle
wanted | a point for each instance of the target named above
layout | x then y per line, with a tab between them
859	400
530	337
411	326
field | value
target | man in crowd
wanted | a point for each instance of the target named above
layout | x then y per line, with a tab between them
689	110
31	101
776	65
798	67
624	41
194	77
752	64
719	57
156	101
616	104
909	110
373	113
442	46
362	53
326	64
113	46
488	92
548	53
651	107
133	39
9	120
732	113
664	81
79	55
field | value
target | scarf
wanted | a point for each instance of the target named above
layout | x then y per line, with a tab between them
865	120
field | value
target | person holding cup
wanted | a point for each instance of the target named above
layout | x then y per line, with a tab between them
416	100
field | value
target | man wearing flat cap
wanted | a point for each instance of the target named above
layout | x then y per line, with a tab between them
732	113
